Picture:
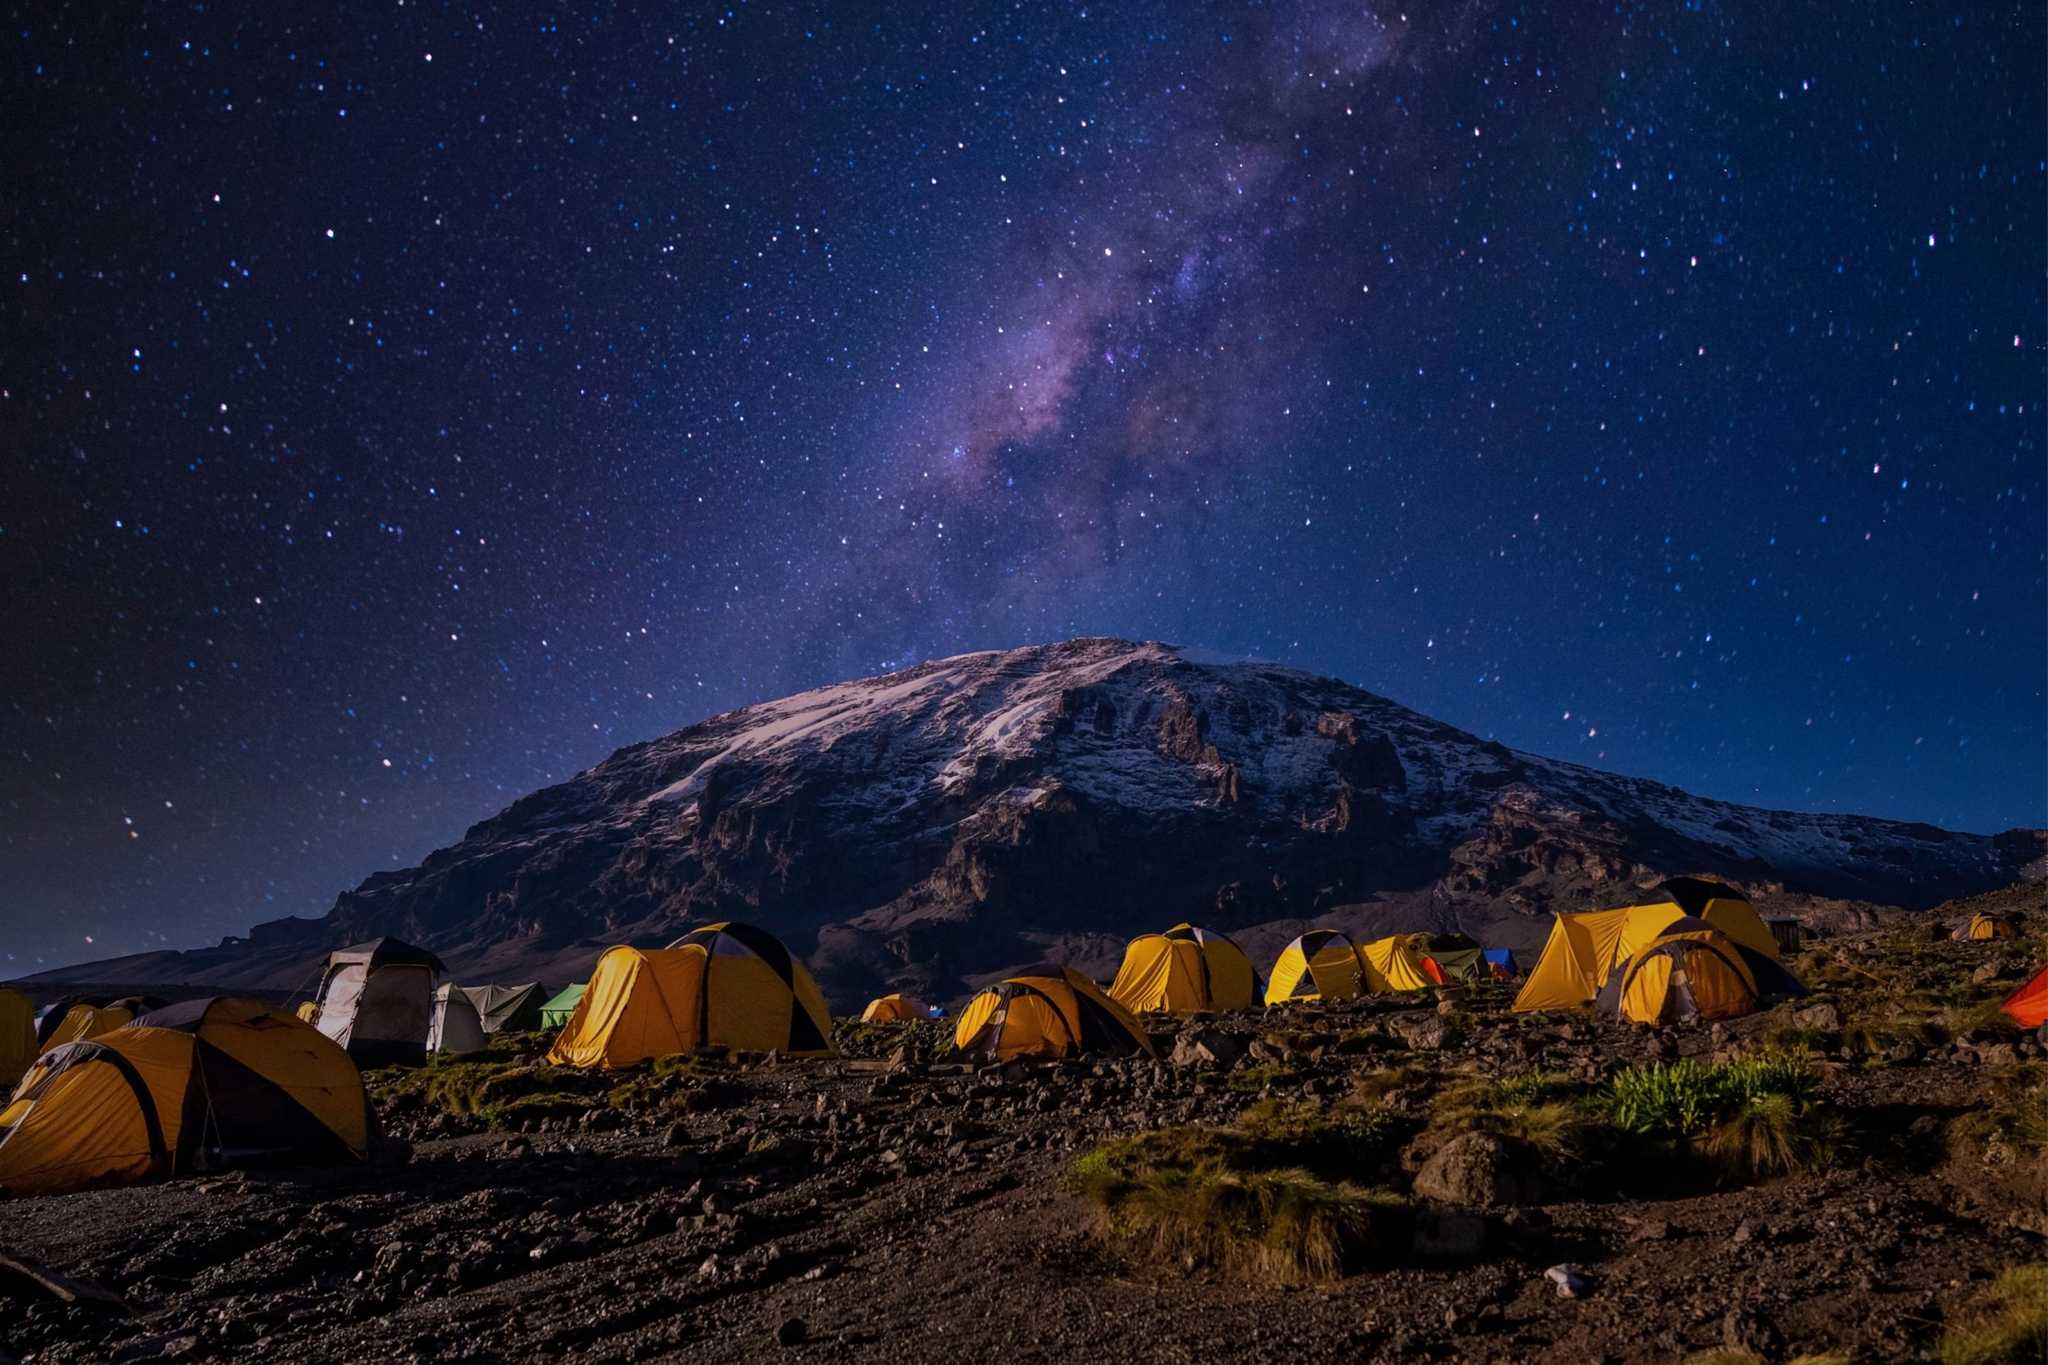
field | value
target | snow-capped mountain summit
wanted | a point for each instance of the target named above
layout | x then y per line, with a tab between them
931	827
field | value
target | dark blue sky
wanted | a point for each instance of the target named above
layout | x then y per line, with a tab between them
403	408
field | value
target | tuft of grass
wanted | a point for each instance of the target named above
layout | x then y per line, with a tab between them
1374	1086
2006	1325
1756	1116
1550	1113
1344	1140
1197	1196
1773	1135
2016	1119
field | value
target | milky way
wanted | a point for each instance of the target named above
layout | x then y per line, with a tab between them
404	411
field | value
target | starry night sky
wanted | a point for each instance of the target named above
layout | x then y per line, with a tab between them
403	405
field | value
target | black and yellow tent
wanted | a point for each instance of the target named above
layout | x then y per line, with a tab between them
1585	948
1693	971
203	1085
725	985
1323	964
1184	969
1983	926
80	1017
1047	1011
892	1008
17	1037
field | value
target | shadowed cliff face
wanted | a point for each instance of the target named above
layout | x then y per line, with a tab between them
930	828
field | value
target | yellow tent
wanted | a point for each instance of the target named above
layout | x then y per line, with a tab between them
83	1021
1184	968
892	1008
1396	963
1983	926
1047	1011
17	1037
725	985
1693	971
1585	948
1323	964
199	1086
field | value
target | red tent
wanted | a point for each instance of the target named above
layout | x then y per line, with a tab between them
2028	1005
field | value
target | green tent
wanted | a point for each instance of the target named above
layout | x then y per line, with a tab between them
555	1013
1456	956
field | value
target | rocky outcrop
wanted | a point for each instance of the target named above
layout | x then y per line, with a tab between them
928	829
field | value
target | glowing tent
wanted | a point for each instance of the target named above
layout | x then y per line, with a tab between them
202	1085
2028	1006
1397	963
1047	1011
1693	971
1184	969
725	985
1983	926
892	1008
1323	964
70	1021
1584	948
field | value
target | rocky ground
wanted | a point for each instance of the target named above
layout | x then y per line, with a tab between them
894	1205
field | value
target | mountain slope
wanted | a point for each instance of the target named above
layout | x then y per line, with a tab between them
931	827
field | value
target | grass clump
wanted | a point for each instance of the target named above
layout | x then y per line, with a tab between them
1207	1196
2014	1126
1251	1080
1756	1116
2007	1325
1344	1140
1548	1113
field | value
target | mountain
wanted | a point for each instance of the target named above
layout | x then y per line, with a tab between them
929	828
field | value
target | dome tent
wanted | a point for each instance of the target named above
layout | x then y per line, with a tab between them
892	1008
202	1085
724	985
1396	963
1323	964
1693	971
1184	969
1584	948
1502	962
79	1017
1047	1011
1985	926
456	1029
376	999
1453	957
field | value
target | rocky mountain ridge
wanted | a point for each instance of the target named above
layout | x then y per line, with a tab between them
930	828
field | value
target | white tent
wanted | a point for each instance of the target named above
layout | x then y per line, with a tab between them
456	1028
377	1000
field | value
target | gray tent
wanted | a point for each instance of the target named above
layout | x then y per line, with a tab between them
377	999
455	1030
509	1009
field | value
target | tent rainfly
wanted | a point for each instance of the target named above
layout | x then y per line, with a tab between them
1693	971
725	985
892	1008
1047	1011
1184	969
199	1086
1584	948
1397	963
1502	961
1323	964
509	1009
1986	926
2028	1006
376	999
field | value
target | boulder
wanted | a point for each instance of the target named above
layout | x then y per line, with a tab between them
1481	1171
1823	1016
1206	1049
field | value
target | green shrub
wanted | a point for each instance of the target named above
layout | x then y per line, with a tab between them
1756	1116
2007	1325
1253	1079
1550	1113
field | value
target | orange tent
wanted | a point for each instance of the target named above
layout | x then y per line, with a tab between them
2028	1006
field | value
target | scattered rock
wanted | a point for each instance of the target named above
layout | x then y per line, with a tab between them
1571	1282
1479	1170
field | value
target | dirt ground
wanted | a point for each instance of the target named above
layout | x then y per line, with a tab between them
890	1205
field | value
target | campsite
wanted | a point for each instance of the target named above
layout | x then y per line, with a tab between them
1416	1172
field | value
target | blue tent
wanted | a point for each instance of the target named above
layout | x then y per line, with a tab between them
1504	958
